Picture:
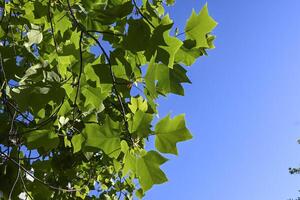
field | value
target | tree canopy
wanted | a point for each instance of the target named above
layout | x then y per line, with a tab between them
79	84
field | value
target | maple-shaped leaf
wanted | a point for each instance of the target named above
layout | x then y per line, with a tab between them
105	137
165	45
141	123
46	139
148	171
198	26
170	131
169	80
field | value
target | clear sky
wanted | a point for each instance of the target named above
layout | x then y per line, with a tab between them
243	107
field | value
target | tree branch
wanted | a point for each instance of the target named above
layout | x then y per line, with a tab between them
82	29
80	69
106	32
51	24
17	178
139	10
34	177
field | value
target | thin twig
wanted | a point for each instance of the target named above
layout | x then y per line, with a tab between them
2	69
3	12
113	79
25	188
13	40
12	122
138	9
51	24
7	27
17	110
80	69
179	34
47	121
33	158
34	177
17	178
81	27
106	32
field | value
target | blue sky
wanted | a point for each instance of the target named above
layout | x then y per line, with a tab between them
243	107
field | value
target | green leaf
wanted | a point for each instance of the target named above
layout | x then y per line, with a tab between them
113	12
132	41
169	132
169	80
34	37
198	26
170	2
172	46
140	193
77	141
61	22
46	139
129	163
187	56
150	77
94	4
35	98
141	124
138	104
63	63
93	96
50	60
105	137
165	45
148	171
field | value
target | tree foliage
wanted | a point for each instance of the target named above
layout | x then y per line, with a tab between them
79	83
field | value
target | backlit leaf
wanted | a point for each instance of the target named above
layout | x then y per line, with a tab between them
169	132
198	26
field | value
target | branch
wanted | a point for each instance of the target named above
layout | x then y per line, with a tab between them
138	9
51	24
12	123
83	30
2	69
31	158
13	40
113	79
34	177
25	188
17	110
106	32
80	26
3	12
45	122
17	178
80	69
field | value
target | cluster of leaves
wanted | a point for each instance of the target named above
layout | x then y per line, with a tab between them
74	122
